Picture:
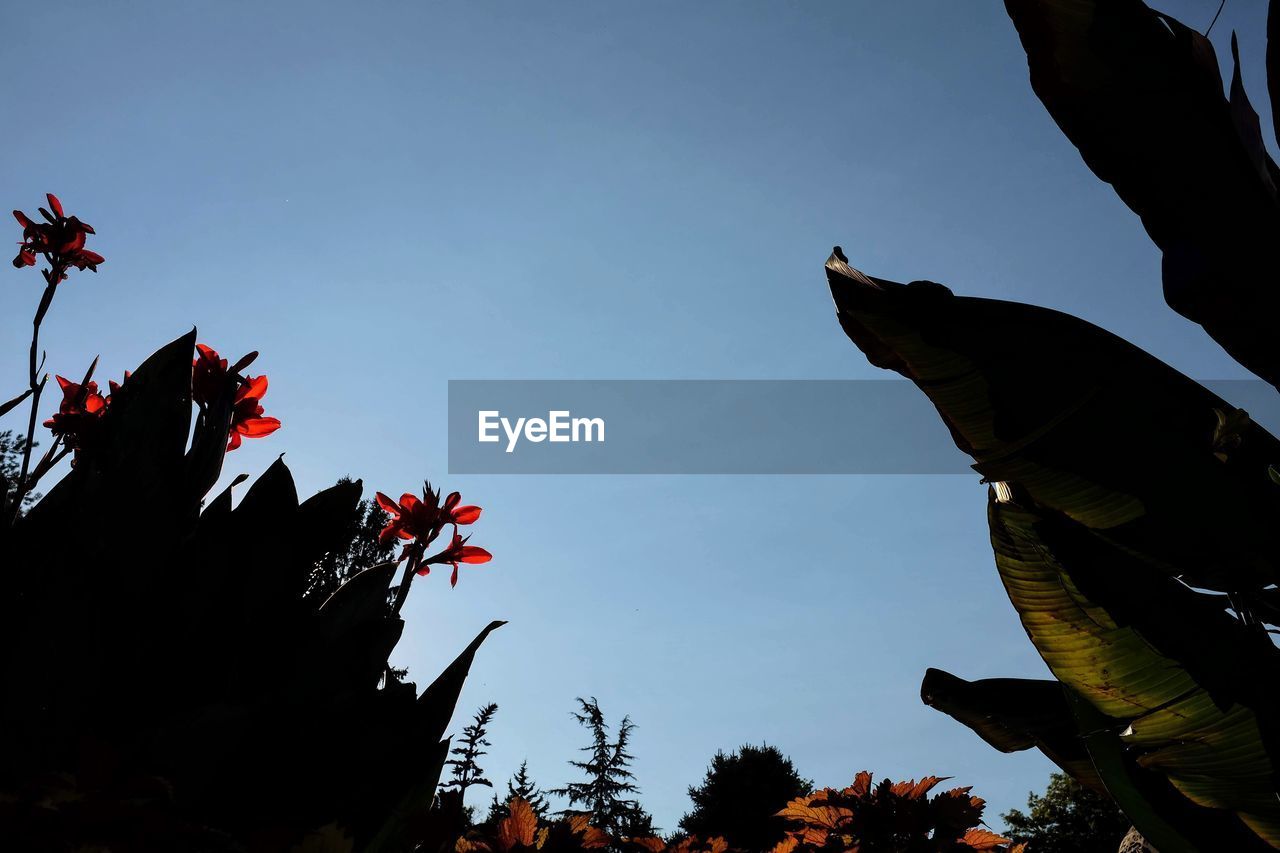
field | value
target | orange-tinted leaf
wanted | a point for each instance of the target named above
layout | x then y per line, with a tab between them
981	839
578	823
518	827
925	785
786	845
594	838
809	811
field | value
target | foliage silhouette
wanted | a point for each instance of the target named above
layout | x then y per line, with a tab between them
1068	818
1140	94
169	684
11	452
519	786
523	830
466	770
357	547
1121	489
608	777
740	796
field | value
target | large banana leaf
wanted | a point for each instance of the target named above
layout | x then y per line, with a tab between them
1014	714
1086	423
1188	687
1141	97
1112	481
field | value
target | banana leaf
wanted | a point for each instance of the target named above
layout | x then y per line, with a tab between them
1140	95
1014	714
1087	424
1187	687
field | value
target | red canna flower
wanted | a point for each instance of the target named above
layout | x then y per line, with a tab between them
453	514
411	517
210	376
61	239
457	552
246	416
423	519
78	414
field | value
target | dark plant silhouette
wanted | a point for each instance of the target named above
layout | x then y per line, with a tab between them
169	685
609	780
740	796
522	830
1131	511
12	447
358	546
1068	818
519	786
1140	94
466	770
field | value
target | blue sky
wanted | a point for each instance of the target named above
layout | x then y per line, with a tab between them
381	197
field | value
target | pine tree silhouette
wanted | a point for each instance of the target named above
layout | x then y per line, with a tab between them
609	777
522	786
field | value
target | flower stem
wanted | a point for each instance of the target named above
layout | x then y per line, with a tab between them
402	593
23	486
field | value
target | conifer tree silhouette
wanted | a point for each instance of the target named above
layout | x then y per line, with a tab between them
522	786
609	777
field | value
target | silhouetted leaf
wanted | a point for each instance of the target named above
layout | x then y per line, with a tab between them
1013	714
1082	422
321	518
1140	95
1191	707
9	405
437	702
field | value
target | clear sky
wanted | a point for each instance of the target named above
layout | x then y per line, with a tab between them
381	197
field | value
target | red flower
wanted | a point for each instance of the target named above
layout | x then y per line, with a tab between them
411	518
423	519
246	416
453	514
457	552
210	376
78	413
62	239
